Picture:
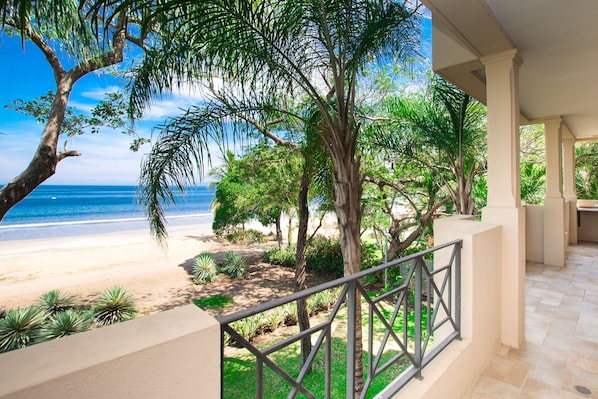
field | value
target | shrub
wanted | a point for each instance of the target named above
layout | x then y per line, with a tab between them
235	265
204	268
323	255
281	257
55	301
20	327
245	236
115	305
66	323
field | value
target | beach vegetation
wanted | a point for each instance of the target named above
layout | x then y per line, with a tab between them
113	306
268	62
55	301
204	268
21	327
66	322
249	236
234	265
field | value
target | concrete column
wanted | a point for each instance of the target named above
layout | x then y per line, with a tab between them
504	199
570	192
554	203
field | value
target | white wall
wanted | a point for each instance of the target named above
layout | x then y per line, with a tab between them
172	354
458	366
534	233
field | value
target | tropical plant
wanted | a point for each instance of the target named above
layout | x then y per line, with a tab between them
113	306
55	301
265	56
234	265
586	166
204	268
21	327
65	323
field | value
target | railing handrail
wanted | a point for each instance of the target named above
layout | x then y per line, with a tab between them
226	319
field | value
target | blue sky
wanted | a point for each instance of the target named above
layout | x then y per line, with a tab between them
106	158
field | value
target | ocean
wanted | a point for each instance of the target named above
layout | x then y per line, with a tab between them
60	211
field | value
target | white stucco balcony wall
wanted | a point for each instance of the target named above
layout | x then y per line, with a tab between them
172	354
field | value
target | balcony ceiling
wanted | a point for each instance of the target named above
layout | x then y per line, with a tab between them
557	41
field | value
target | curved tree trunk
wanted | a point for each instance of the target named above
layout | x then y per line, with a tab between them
300	265
46	157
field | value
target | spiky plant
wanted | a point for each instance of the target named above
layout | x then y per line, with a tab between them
235	265
113	306
55	301
204	268
66	323
21	327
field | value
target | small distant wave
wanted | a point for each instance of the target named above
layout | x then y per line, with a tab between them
94	221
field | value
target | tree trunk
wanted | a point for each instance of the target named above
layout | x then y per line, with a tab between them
348	189
278	232
46	157
300	265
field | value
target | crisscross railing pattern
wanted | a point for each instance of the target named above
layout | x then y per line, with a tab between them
413	321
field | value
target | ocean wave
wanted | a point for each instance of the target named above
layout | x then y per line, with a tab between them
93	221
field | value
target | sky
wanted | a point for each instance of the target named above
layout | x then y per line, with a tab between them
106	158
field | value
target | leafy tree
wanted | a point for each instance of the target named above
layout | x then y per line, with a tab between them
64	28
266	54
586	165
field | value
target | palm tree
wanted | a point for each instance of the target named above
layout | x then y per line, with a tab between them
443	131
266	54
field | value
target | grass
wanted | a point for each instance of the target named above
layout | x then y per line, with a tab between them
240	365
213	302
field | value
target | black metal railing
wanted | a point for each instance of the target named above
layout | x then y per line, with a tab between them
428	295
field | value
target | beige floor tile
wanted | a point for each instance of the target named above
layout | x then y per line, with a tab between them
490	388
534	389
508	369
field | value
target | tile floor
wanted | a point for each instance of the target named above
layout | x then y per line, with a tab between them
560	357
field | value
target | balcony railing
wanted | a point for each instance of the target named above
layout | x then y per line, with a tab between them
428	295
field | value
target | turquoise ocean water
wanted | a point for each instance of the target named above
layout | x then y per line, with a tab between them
58	211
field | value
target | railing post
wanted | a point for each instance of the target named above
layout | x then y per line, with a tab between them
458	287
351	325
417	317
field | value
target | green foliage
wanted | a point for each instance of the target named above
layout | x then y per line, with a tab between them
262	323
21	327
113	306
323	255
234	265
245	236
281	257
204	268
586	164
213	302
55	301
65	323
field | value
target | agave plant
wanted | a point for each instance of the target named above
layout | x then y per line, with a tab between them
55	301
204	269
235	265
113	306
66	323
20	327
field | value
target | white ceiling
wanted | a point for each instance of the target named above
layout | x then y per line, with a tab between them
556	39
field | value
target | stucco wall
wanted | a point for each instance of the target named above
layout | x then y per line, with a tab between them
456	369
534	233
172	354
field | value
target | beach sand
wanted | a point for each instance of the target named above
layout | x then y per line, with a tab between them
158	279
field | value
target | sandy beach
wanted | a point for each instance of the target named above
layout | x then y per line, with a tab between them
158	279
